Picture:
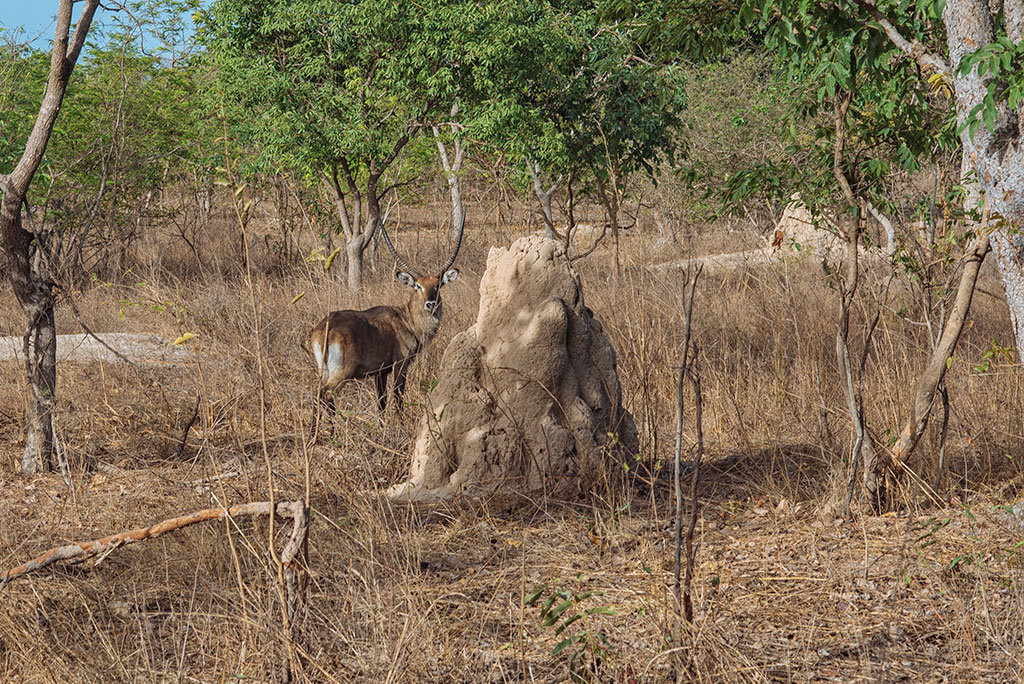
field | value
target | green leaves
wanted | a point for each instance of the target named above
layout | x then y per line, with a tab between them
586	647
828	52
127	127
1001	66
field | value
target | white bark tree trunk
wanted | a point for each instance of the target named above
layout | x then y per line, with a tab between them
996	155
452	168
544	197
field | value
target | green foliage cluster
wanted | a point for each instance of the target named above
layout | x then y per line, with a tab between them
828	53
585	646
326	88
732	126
128	128
590	92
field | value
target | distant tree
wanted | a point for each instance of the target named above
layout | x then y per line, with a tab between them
338	90
24	249
632	123
587	111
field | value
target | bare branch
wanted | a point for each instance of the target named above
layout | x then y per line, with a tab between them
81	29
934	373
689	288
289	509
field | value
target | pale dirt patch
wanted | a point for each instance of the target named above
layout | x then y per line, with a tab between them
137	347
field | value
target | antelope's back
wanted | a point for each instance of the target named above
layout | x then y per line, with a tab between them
365	339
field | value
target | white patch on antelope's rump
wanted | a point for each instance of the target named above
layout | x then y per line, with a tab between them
334	360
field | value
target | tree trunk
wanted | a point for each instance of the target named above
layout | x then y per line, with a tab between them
1009	252
613	219
611	207
452	169
361	241
26	258
34	291
354	261
996	155
41	371
544	197
863	450
930	380
458	210
351	224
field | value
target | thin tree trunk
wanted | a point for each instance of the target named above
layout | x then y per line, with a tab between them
610	200
354	261
361	242
890	232
41	373
544	197
27	262
863	449
930	380
351	221
452	169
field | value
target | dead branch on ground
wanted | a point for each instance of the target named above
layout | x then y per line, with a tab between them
78	551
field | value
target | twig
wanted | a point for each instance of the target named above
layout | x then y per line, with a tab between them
694	479
188	427
597	241
90	333
684	364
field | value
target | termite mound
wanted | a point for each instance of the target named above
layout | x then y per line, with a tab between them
529	399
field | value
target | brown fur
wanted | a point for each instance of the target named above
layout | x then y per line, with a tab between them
377	341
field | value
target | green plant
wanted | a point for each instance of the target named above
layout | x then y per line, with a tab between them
994	351
587	647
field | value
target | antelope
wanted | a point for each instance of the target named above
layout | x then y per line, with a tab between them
357	344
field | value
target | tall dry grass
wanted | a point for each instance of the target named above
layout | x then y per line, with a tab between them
784	590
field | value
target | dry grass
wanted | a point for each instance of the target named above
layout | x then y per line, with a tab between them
784	590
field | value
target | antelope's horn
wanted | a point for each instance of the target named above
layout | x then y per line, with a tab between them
458	243
399	259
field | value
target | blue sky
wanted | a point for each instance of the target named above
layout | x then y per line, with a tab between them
36	16
34	22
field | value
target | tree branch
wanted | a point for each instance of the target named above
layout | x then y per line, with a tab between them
81	29
931	378
81	550
915	49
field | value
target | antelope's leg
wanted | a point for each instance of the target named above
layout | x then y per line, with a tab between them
381	380
336	370
401	368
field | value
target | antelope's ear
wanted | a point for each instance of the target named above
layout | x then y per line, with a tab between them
405	279
450	275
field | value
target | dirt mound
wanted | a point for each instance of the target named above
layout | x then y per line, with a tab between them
529	398
799	229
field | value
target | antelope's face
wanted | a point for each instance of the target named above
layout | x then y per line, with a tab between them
426	291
